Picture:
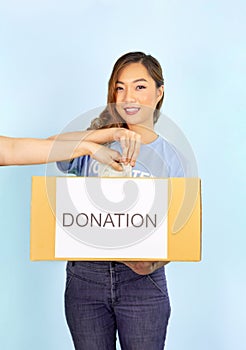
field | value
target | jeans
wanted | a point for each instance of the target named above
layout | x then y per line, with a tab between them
103	297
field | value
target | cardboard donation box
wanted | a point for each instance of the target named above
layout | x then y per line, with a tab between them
87	218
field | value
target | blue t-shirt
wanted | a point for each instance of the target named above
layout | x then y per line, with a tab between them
156	159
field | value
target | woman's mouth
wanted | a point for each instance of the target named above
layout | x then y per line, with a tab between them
131	110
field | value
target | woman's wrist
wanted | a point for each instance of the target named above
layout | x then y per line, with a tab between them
88	147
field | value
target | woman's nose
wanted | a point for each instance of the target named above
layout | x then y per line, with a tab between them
129	96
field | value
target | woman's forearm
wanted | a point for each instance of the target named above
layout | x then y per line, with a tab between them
24	151
21	151
99	136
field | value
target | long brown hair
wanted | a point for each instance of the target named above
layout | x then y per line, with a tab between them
109	116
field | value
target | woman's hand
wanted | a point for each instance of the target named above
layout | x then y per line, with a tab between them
144	267
130	143
105	155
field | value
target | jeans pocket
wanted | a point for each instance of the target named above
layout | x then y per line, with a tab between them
68	280
159	282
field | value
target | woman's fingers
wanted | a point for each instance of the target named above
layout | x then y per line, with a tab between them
130	143
116	166
124	145
141	267
134	149
144	267
104	154
110	157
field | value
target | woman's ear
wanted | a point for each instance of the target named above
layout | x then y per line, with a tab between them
160	92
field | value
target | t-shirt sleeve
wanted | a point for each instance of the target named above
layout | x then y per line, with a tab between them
177	164
74	166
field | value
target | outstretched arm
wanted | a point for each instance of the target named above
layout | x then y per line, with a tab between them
23	151
130	141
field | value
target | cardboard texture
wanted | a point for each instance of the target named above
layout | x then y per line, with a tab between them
184	220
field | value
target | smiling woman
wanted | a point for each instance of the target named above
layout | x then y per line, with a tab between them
102	297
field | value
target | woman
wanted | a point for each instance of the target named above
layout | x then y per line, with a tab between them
131	297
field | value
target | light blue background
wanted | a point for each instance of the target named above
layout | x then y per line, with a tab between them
55	60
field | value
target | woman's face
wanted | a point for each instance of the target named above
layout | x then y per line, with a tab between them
137	95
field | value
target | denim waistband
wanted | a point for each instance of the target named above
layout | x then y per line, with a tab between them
98	265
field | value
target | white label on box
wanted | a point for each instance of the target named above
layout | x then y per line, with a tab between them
101	218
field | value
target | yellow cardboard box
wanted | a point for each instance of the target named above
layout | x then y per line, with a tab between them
183	221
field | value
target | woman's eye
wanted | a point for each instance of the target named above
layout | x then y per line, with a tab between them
118	88
141	87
